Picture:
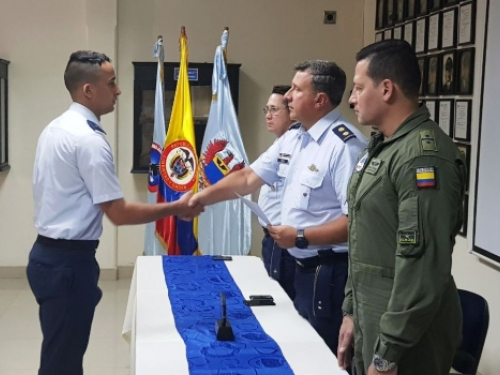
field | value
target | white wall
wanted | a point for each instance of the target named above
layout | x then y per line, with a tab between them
38	37
267	37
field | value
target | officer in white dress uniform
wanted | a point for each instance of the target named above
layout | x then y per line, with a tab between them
317	162
74	185
279	264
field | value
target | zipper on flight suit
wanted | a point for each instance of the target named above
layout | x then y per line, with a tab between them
370	156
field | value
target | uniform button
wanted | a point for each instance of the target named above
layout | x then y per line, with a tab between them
305	194
319	302
319	307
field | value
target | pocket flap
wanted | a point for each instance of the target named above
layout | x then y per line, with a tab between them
311	180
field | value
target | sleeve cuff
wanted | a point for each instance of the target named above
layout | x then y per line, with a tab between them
347	306
386	352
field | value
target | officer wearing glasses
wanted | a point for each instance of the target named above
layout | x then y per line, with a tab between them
279	264
316	162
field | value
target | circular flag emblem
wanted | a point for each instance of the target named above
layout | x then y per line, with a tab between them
178	166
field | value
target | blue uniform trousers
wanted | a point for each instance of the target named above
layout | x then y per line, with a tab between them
63	276
319	287
279	264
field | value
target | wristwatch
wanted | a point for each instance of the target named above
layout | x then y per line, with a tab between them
301	241
382	364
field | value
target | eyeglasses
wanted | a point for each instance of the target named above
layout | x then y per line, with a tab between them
272	110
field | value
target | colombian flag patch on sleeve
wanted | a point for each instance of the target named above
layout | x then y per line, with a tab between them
426	177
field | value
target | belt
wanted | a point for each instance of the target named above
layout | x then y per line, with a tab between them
84	245
266	232
325	256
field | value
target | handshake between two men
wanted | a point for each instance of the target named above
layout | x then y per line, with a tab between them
193	204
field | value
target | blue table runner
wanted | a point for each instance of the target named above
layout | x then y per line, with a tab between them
194	286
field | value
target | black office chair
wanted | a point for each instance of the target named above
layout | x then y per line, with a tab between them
476	318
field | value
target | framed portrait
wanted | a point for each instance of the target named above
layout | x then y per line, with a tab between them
398	32
388	34
411	9
422	7
446	109
434	29
465	74
431	106
449	28
391	13
463	231
380	21
432	75
423	78
379	36
421	35
409	34
434	5
461	129
467	24
400	10
465	150
448	71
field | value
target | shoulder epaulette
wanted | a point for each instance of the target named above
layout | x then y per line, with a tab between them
343	132
95	127
295	126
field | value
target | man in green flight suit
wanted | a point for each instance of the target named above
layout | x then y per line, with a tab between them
405	208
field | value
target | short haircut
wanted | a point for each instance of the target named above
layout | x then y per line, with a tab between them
328	78
394	60
280	89
83	67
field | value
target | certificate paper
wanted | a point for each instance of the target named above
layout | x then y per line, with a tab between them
254	207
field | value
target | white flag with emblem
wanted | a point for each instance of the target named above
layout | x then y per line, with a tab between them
224	228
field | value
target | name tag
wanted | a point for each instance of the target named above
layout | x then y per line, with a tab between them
283	161
373	167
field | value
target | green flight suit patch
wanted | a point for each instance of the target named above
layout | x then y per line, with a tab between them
407	237
373	167
428	141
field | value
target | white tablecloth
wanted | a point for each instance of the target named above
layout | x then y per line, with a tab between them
158	349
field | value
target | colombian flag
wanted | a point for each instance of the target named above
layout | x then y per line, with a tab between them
179	166
426	177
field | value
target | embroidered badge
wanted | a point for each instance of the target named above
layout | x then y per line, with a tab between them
361	163
313	168
426	177
373	167
407	237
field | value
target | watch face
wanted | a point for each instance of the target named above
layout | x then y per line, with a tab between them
301	243
382	364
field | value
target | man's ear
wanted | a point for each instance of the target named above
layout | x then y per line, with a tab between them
388	89
87	90
321	99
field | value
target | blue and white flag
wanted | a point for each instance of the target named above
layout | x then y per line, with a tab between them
151	244
224	228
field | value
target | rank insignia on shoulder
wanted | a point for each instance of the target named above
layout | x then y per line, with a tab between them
343	133
95	127
407	237
426	177
294	126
